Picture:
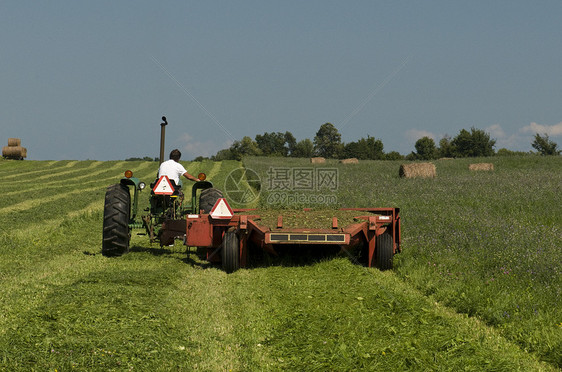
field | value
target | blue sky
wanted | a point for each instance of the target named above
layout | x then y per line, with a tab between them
91	79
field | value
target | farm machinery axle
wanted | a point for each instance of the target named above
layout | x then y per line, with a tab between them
225	234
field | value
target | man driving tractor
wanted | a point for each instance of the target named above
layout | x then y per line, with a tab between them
173	169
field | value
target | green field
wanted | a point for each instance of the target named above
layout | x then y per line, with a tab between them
477	287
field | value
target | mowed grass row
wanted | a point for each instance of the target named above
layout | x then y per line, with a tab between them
486	244
73	309
64	306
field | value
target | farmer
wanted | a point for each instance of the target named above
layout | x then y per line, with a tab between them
173	169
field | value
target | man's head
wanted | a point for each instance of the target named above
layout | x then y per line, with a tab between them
175	155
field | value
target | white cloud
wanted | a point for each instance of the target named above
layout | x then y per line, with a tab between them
502	139
412	135
496	131
194	148
551	130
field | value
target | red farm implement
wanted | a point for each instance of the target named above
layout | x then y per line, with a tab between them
227	239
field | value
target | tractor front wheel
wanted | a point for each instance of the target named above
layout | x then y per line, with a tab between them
384	251
116	221
230	252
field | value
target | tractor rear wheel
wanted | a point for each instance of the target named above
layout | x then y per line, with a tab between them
116	221
384	251
230	252
208	198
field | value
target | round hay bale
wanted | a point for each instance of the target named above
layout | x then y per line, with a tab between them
350	161
13	152
317	160
418	170
14	142
481	167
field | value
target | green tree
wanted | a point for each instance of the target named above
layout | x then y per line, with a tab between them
366	148
272	144
201	158
303	149
446	149
425	149
276	143
244	147
473	143
544	145
393	155
505	152
291	142
224	154
327	142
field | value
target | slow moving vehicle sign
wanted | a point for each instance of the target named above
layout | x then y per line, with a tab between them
163	186
221	210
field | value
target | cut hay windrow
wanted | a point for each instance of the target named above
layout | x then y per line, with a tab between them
481	167
100	175
214	170
309	219
68	171
29	172
34	203
418	170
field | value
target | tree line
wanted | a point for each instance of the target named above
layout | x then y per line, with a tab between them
327	143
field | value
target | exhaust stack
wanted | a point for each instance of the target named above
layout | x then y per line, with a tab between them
162	138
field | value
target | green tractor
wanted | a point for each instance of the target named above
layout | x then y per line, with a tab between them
165	219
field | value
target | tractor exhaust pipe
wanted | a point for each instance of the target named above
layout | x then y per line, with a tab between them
162	138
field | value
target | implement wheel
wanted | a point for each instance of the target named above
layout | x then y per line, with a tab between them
208	198
230	252
116	221
384	251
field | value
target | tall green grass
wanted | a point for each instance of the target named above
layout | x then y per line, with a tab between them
486	244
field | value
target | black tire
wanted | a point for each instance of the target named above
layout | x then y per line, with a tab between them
230	252
116	234
208	198
384	251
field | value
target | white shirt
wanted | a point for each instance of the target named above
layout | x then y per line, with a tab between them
172	169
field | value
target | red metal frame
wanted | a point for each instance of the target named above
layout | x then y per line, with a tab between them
206	232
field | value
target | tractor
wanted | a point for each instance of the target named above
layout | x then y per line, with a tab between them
165	217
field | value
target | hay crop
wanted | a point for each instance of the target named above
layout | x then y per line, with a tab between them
349	161
317	160
14	142
418	170
14	149
14	152
309	219
481	167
